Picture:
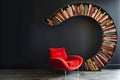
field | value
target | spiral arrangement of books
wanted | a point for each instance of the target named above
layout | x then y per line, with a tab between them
98	61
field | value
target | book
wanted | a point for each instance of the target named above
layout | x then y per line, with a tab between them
60	15
74	8
86	10
69	11
55	21
108	44
66	14
110	30
92	11
50	22
103	27
111	36
78	9
107	48
103	18
105	22
58	19
109	39
87	62
81	7
89	9
106	51
86	66
89	65
99	61
103	58
95	64
111	42
97	13
112	26
93	15
110	33
108	56
109	23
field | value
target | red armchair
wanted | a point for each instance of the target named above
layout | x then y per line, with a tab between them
60	61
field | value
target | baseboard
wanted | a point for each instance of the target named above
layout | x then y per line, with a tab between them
112	66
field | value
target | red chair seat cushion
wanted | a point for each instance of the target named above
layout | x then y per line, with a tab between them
72	63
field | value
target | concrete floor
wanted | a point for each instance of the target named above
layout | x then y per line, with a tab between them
105	74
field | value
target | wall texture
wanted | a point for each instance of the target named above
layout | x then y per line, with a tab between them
25	39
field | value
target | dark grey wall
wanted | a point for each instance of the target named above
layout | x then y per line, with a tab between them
25	39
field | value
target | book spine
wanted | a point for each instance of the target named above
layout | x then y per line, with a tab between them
92	11
111	30
109	23
89	65
58	19
104	59
105	22
86	66
90	6
96	10
74	10
105	28
66	14
92	64
101	16
61	16
110	33
55	21
97	15
99	61
95	65
78	9
81	7
70	10
50	22
86	10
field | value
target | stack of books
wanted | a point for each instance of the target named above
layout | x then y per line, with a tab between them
107	49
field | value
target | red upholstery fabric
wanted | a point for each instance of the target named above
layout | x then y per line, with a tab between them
57	52
60	60
72	63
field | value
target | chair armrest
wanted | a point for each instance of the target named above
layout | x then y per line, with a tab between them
74	57
59	63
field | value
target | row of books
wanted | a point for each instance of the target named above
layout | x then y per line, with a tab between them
81	9
97	62
103	56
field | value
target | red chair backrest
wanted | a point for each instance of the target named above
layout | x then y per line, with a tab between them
57	53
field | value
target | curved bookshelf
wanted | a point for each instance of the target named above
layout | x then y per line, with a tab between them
107	49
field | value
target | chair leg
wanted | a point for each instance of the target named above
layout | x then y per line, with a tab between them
65	72
78	72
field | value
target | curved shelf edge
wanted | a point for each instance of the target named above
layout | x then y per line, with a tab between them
104	55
